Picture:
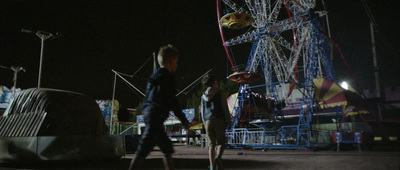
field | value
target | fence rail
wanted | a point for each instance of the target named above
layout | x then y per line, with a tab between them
285	137
123	128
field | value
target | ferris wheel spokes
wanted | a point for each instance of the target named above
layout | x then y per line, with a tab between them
273	50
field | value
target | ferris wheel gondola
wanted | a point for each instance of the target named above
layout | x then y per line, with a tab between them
236	20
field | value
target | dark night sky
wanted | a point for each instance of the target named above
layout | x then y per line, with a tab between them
98	36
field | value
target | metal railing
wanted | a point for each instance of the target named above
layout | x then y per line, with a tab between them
123	128
283	138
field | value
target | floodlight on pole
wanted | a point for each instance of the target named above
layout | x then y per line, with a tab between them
16	70
43	36
344	85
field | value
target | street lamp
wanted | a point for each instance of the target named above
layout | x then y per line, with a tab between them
43	36
16	70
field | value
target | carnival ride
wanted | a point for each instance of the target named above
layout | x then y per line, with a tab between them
43	124
288	50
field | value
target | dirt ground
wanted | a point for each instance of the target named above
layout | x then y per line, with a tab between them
195	157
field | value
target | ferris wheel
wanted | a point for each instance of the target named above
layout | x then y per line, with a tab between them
288	49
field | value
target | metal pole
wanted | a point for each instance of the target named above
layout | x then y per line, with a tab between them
15	82
41	62
193	82
376	70
16	70
327	20
128	82
43	36
112	103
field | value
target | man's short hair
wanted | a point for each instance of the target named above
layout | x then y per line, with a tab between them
208	80
166	53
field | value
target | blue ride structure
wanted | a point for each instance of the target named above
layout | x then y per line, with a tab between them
288	50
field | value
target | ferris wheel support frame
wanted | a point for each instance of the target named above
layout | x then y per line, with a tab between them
309	44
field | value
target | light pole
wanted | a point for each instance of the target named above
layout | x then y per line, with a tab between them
16	70
376	70
43	36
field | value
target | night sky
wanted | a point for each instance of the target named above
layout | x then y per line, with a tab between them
98	36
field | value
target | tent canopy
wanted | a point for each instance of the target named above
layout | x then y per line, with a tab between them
329	94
